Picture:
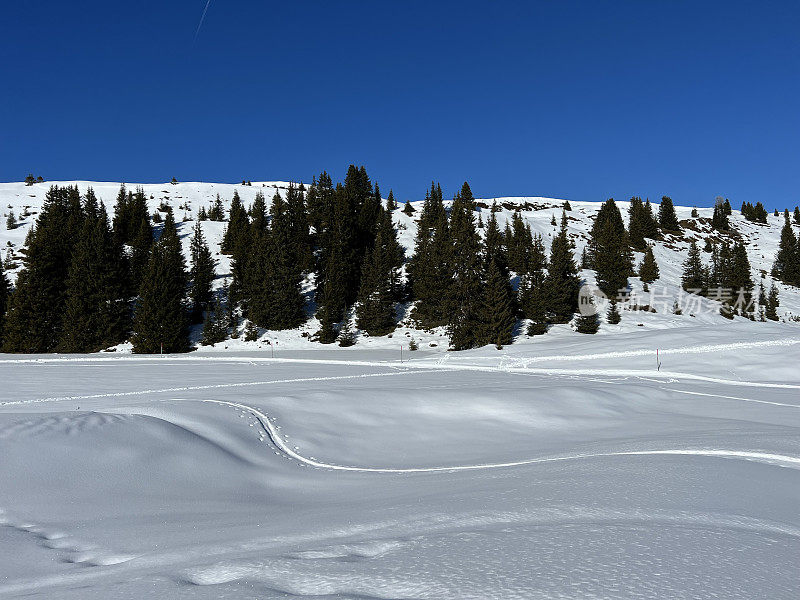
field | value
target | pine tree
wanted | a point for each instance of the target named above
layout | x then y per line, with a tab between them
297	225
465	292
346	337
613	316
11	221
587	321
380	281
429	267
648	270
96	309
561	284
238	225
408	209
498	316
36	309
740	280
772	304
719	220
667	219
797	215
694	274
610	250
201	275
216	212
636	223
787	260
4	293
495	246
391	203
160	320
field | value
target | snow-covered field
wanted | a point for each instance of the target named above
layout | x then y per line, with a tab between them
567	468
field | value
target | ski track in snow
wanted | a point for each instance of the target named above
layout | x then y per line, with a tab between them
781	460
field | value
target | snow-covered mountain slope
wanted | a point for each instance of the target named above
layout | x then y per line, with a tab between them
187	199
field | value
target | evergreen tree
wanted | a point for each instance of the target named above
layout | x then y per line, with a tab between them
727	207
238	225
160	319
4	293
719	220
648	270
694	273
613	316
740	280
771	308
11	221
636	223
561	284
216	212
36	309
494	243
408	209
610	249
201	274
429	267
787	260
498	316
391	203
96	309
588	321
298	228
375	311
465	292
667	219
797	215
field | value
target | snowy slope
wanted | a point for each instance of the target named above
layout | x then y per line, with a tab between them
761	241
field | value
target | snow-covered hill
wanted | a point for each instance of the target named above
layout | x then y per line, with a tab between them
187	199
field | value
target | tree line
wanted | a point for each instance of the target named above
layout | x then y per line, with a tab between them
329	250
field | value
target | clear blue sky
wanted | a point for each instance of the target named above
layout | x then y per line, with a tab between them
581	100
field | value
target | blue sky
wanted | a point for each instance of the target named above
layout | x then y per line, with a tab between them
581	100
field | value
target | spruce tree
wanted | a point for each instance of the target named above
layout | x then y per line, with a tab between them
667	219
613	316
408	209
238	225
772	304
719	220
561	284
694	273
610	249
96	310
428	269
587	321
787	260
201	275
740	280
797	215
160	320
391	203
465	292
36	310
4	293
298	228
636	223
11	221
648	270
498	316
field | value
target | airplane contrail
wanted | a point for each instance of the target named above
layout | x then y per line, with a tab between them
202	18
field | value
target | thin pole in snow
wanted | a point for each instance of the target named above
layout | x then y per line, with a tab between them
658	362
401	353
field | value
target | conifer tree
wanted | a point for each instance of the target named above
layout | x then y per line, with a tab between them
613	316
498	316
160	320
375	311
298	228
740	279
636	223
797	215
429	267
391	203
719	220
238	225
4	292
694	274
11	221
96	309
771	309
36	309
494	244
217	321
561	284
201	275
465	292
610	249
787	261
587	321
217	212
408	209
648	270
667	219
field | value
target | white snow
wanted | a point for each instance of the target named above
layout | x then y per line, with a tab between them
562	466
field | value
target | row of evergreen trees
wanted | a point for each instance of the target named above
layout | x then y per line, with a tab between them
88	284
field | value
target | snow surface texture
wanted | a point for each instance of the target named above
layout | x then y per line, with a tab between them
569	469
761	241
